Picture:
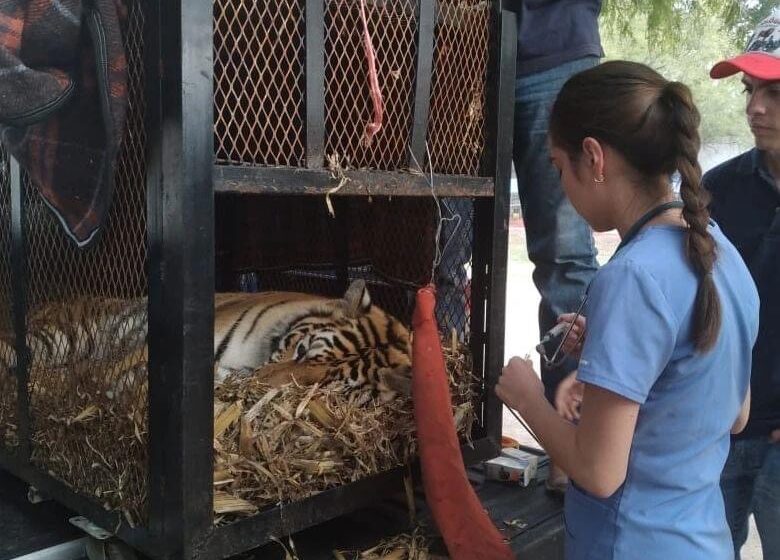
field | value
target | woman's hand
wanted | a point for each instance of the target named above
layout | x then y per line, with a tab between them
568	397
574	341
519	384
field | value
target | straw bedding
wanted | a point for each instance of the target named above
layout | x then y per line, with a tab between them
280	445
406	546
271	446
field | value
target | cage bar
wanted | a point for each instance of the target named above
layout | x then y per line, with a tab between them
242	119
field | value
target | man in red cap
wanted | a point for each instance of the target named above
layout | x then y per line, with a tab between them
746	204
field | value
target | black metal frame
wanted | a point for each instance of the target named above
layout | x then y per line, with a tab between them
496	210
291	180
181	184
426	22
315	84
18	283
181	278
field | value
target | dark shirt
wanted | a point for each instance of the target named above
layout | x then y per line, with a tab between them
552	32
746	205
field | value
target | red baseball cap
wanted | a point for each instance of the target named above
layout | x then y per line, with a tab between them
761	58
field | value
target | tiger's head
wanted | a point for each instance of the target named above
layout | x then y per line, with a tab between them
362	343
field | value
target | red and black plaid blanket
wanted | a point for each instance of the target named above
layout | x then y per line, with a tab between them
63	94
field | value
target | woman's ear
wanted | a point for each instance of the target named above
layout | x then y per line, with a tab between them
593	158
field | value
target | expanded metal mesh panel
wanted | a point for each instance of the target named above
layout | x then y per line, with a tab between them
259	53
456	128
259	83
348	106
8	424
284	232
397	299
389	294
387	242
86	329
453	275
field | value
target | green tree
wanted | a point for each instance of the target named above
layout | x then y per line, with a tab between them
685	52
665	19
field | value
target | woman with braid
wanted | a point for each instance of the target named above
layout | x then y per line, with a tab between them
671	319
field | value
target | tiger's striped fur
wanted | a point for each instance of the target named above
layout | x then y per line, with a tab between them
278	336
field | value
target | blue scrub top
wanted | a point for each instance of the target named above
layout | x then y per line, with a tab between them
639	346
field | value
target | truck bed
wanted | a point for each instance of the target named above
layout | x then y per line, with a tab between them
531	520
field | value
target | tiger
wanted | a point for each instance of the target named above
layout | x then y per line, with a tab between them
277	337
281	336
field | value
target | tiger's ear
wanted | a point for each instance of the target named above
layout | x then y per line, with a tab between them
395	380
357	298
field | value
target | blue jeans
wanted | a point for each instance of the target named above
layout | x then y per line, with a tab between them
452	309
560	242
751	484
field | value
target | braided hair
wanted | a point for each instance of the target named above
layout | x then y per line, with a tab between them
654	124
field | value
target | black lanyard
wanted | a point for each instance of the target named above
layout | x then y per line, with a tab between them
557	357
632	232
642	222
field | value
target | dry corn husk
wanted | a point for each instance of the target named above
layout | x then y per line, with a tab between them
406	546
271	445
294	442
225	503
89	430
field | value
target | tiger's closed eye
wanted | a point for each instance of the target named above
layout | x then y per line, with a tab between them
302	349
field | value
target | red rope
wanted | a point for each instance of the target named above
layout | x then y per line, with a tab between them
373	81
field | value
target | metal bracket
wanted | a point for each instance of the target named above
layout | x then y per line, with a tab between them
34	496
111	549
90	528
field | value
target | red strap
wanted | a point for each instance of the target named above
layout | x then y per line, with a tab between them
373	81
467	530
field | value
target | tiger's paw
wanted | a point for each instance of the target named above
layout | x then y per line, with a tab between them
393	382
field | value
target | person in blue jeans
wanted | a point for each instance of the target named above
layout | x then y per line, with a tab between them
665	352
746	205
555	41
452	281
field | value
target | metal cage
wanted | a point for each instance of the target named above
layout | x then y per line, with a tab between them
243	117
